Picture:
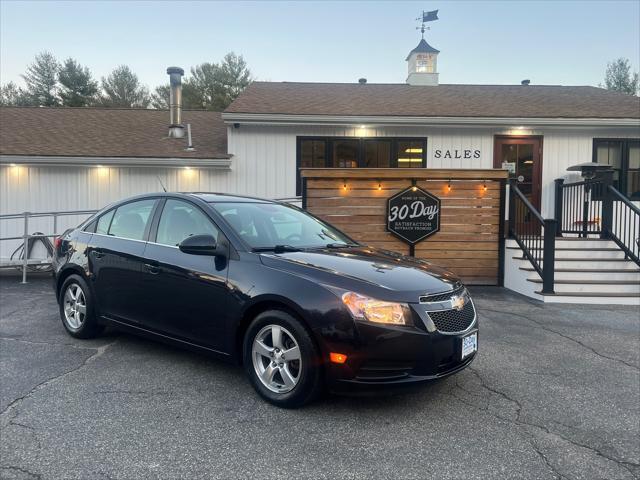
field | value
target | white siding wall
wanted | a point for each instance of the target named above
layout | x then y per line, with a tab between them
263	164
255	147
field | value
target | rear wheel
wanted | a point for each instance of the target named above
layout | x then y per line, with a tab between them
77	310
281	360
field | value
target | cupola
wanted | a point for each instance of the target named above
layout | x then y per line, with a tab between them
423	65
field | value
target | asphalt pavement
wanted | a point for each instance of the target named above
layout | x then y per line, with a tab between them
553	393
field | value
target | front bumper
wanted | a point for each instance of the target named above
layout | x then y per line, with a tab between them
385	357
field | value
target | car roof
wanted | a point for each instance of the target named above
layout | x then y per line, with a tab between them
215	197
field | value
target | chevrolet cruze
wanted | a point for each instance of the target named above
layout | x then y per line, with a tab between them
298	303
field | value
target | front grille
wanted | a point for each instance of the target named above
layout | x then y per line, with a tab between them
441	297
451	321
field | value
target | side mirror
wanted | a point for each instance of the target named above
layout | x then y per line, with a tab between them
201	245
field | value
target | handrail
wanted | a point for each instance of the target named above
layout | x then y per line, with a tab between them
527	203
626	230
8	216
534	235
624	199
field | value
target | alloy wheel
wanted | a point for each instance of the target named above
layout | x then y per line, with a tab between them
276	358
75	306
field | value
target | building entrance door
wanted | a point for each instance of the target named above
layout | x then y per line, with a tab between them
522	156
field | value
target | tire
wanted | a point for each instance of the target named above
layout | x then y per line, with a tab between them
296	380
77	310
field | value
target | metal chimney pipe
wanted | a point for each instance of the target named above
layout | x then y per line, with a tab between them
176	129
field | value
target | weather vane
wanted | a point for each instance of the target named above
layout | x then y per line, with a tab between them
426	17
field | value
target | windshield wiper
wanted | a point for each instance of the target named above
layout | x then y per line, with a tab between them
341	245
277	249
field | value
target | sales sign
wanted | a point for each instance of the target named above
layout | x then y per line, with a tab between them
413	215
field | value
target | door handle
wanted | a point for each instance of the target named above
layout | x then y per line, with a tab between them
152	269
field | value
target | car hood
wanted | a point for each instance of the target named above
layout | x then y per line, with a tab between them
380	273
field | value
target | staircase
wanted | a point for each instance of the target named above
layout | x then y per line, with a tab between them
587	271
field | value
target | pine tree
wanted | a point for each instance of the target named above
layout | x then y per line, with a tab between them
123	89
13	96
618	77
190	98
78	89
214	86
160	97
42	80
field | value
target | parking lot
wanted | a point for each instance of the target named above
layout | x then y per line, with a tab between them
554	393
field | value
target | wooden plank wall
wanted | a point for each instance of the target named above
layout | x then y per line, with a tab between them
469	238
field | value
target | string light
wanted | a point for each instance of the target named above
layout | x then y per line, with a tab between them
485	185
379	185
414	188
344	186
449	186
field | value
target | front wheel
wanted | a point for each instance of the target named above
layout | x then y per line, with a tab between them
281	360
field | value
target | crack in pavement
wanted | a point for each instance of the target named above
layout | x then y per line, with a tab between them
544	327
521	422
99	351
21	470
53	344
33	431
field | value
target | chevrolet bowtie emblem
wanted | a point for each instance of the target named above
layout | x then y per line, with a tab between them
457	302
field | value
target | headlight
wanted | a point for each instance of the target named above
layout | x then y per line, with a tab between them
377	311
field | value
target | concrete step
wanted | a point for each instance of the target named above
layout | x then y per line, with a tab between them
583	243
586	243
594	286
591	298
590	263
589	274
562	253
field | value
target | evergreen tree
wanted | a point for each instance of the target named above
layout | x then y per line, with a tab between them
160	97
190	98
42	80
214	86
13	96
78	89
123	89
619	77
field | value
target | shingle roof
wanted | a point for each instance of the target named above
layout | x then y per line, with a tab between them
107	132
423	47
520	101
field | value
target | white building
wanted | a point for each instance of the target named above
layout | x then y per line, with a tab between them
69	159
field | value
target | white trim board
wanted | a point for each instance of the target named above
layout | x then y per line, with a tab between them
288	119
212	163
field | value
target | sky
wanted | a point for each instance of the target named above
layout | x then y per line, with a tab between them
484	42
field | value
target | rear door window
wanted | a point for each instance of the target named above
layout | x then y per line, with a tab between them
130	220
103	222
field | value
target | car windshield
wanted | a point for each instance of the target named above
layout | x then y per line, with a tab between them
271	225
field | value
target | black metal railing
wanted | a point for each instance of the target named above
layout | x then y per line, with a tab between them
622	223
534	235
578	207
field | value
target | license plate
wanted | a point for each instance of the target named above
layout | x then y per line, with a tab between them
469	345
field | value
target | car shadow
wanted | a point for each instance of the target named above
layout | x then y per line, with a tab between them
235	382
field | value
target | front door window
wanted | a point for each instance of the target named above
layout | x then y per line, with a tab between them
521	156
180	220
